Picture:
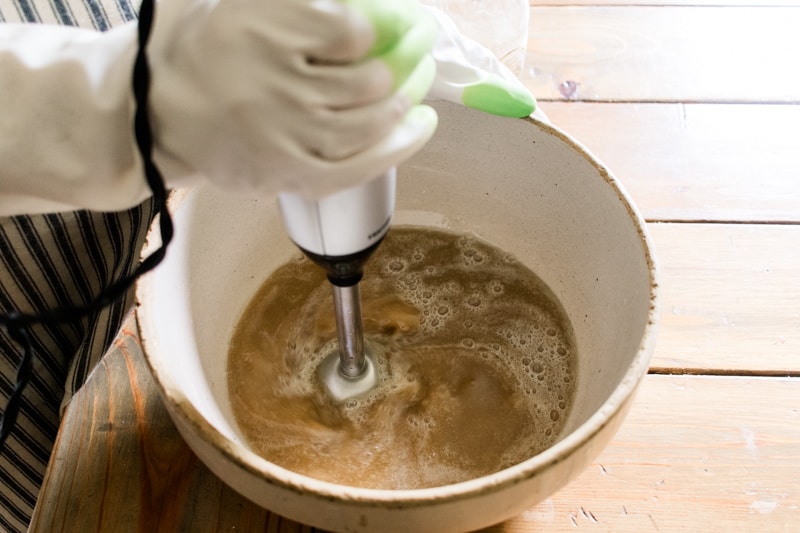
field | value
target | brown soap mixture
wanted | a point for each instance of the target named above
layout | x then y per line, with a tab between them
474	355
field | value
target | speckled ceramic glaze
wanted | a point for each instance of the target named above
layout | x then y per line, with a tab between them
522	185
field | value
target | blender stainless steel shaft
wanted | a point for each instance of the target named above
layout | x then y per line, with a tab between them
349	331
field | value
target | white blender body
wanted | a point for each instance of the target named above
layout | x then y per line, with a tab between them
345	223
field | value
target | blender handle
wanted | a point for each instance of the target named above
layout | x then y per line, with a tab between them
344	223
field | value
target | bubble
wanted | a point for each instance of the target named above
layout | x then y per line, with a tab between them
554	415
468	343
474	301
443	310
396	266
561	350
562	405
551	332
537	367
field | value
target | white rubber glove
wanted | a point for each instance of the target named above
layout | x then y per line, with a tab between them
468	73
308	96
260	97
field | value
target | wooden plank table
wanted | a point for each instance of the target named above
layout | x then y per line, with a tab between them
694	108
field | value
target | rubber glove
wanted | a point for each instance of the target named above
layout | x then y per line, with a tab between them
468	73
306	96
258	97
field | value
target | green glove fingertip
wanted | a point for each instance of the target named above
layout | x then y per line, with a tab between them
498	97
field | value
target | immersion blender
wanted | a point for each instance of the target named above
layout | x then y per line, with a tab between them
339	233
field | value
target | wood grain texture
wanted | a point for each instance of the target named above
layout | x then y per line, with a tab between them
695	162
652	54
700	454
694	451
730	298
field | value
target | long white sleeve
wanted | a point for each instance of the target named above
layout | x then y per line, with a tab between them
66	107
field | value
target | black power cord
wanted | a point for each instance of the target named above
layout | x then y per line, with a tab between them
18	323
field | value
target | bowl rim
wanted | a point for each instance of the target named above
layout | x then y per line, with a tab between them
281	477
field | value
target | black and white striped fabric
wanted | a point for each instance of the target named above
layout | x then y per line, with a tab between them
97	14
57	260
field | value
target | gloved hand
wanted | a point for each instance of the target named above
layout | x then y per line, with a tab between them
297	95
291	95
468	73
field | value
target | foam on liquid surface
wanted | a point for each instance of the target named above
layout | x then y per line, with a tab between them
474	356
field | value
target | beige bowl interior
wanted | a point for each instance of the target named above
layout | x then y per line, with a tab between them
519	184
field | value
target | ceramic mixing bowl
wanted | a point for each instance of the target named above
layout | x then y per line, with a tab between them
524	186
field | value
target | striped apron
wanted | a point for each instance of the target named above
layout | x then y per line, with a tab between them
56	260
